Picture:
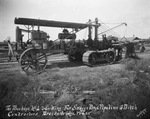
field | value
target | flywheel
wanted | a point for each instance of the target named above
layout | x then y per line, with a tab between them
71	47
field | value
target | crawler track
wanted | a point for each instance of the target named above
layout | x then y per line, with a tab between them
97	58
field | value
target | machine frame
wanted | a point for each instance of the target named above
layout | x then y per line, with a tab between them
34	56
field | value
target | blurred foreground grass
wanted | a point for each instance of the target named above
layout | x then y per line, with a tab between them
129	85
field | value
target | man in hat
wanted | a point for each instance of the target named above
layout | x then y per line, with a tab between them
10	51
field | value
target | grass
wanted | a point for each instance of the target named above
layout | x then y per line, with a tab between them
130	85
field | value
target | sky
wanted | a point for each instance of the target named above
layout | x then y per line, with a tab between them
135	13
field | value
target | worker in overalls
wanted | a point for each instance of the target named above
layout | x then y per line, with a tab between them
10	51
130	50
142	48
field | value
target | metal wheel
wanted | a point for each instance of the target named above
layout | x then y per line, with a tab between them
33	60
93	58
71	58
112	57
71	47
75	57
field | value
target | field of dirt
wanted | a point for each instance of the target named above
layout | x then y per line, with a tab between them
125	84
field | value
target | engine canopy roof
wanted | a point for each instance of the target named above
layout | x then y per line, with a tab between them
50	23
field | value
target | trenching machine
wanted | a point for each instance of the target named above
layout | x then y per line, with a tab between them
34	52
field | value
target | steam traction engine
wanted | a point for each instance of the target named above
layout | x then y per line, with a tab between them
35	50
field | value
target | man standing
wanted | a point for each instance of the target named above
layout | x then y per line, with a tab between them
10	51
142	48
130	51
